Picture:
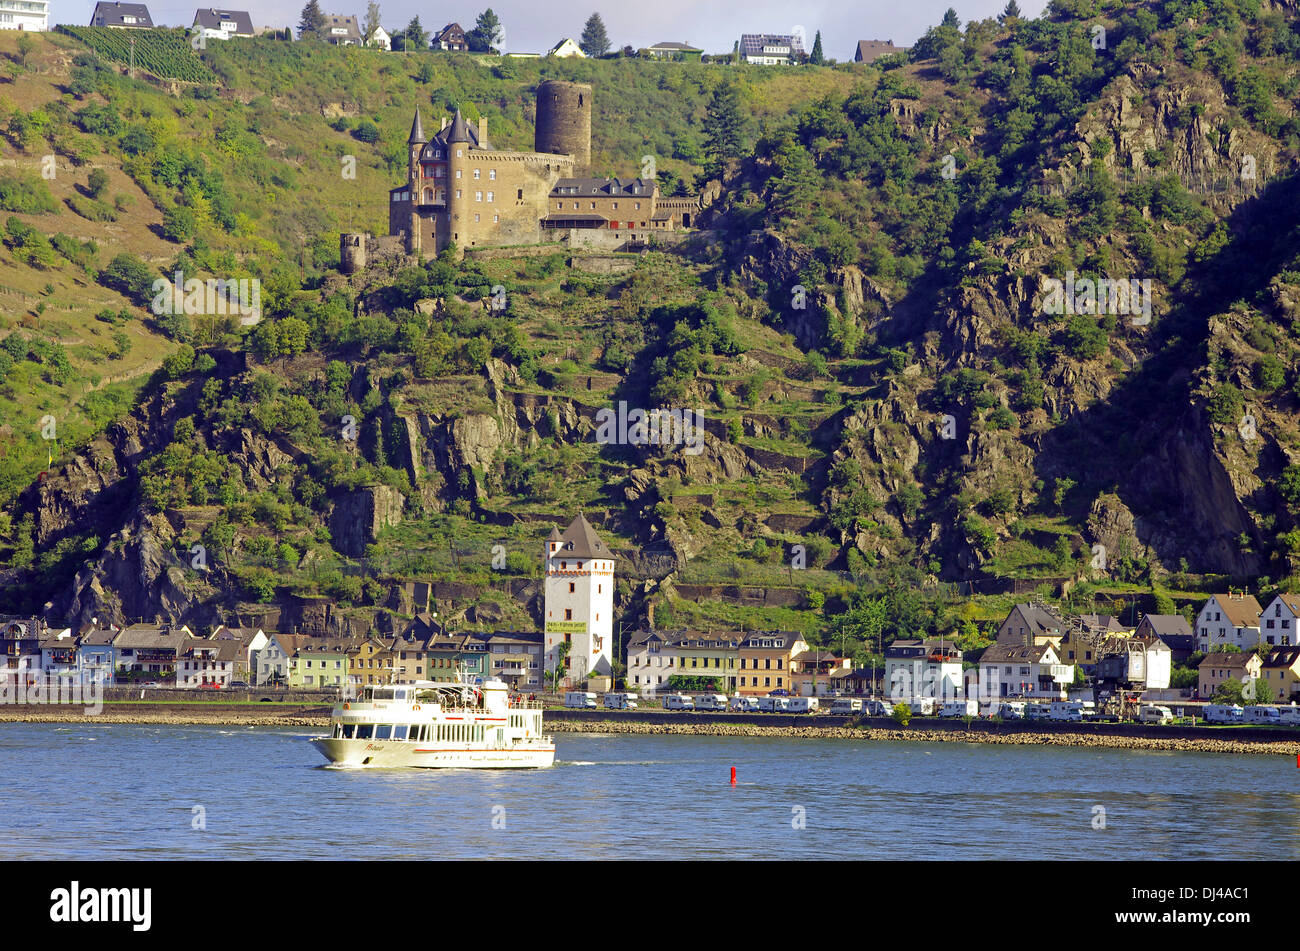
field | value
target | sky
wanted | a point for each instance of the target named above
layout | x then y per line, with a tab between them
713	25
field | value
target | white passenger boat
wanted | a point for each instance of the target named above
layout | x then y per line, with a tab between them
438	725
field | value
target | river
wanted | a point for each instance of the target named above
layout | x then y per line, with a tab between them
128	791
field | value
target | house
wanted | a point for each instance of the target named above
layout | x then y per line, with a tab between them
1173	630
251	640
222	24
629	204
1281	671
651	660
709	656
204	662
869	51
765	661
32	16
813	673
768	49
566	48
923	668
1221	666
371	661
125	16
1040	621
379	39
450	37
59	655
1231	619
676	51
276	658
579	605
320	662
1278	621
1026	670
342	30
515	657
148	652
98	655
20	641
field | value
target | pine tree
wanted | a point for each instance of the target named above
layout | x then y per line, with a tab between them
951	19
1012	12
486	35
726	128
313	21
817	58
595	41
414	36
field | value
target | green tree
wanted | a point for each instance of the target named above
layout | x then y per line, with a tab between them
313	22
816	58
557	674
372	20
595	41
486	35
795	186
96	182
726	125
415	36
902	714
1012	11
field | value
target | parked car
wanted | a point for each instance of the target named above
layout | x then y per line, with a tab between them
779	693
213	685
238	684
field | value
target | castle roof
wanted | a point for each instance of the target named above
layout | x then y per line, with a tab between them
458	131
417	130
580	540
603	187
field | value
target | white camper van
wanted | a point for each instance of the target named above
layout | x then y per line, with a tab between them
960	708
711	701
846	707
678	701
1223	713
580	700
1066	711
804	705
1262	715
744	704
1155	713
1037	711
774	704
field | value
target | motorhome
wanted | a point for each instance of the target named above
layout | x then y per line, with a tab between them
774	704
1155	713
678	701
1066	711
711	701
620	701
804	705
921	706
744	704
1038	711
960	708
1223	713
1009	710
846	707
879	708
1262	715
580	700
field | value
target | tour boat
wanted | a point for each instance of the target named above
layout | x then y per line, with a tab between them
438	725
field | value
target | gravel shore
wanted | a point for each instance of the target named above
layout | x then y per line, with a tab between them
1207	745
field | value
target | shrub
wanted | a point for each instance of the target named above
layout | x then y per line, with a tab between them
902	714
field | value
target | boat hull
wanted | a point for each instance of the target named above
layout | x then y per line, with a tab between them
379	754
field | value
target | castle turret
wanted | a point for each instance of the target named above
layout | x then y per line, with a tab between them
579	600
415	143
564	122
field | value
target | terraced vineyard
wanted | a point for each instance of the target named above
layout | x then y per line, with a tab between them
165	53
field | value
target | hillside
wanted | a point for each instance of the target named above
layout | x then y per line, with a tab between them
863	327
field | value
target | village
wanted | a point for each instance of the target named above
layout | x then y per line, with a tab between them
1237	653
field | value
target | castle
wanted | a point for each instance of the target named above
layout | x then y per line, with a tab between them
579	601
461	190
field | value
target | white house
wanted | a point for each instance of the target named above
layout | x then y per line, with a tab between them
30	15
251	641
274	660
652	658
923	669
222	24
1278	621
566	48
579	600
1023	670
1228	619
380	39
202	662
766	49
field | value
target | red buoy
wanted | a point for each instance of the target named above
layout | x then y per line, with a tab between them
733	770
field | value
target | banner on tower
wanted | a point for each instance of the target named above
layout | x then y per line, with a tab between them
566	627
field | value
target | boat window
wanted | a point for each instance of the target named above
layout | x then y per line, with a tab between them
365	731
338	730
399	731
383	731
348	730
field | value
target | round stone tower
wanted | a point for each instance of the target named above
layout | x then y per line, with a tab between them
352	252
564	121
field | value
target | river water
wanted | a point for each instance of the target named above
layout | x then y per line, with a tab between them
118	791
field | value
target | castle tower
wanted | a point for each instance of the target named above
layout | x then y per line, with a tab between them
579	600
415	145
564	122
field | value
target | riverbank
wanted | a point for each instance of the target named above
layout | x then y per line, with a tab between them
317	717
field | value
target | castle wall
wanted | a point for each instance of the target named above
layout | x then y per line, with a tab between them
504	203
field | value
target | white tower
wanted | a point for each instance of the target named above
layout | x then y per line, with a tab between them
579	600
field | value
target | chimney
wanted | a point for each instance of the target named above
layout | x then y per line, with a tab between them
482	129
445	122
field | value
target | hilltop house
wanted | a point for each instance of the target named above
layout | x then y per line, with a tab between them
451	37
1221	666
768	49
31	16
670	50
379	39
125	16
565	49
869	51
342	30
1278	621
1231	619
222	24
